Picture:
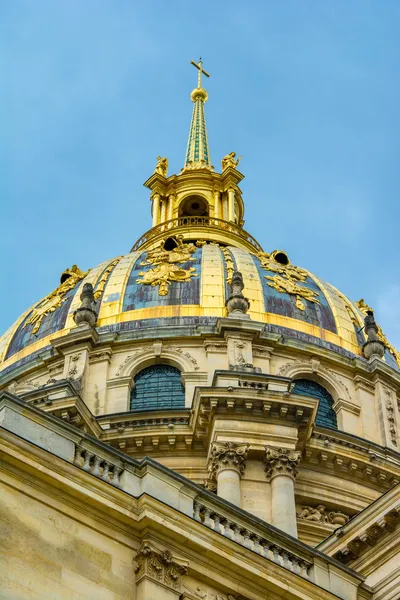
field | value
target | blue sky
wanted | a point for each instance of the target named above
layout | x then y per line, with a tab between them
307	91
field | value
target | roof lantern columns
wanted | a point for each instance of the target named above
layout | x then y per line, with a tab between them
156	209
281	470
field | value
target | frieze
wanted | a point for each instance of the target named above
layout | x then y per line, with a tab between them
320	514
216	347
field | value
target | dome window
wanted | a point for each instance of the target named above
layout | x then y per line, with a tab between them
326	416
158	387
194	206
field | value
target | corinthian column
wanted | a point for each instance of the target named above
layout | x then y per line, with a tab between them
226	465
281	470
156	209
231	204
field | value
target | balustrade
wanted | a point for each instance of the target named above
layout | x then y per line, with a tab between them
97	466
192	221
250	539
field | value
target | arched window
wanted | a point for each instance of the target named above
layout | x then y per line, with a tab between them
158	387
326	416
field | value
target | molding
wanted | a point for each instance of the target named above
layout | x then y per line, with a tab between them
350	407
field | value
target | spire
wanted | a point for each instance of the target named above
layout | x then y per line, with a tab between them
197	153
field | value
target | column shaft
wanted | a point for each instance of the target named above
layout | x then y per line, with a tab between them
217	207
283	505
228	485
231	204
156	209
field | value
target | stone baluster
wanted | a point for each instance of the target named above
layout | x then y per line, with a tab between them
281	470
96	466
226	464
88	457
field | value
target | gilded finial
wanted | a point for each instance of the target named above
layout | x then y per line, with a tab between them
197	153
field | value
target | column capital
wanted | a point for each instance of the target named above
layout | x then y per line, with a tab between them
227	455
281	461
160	566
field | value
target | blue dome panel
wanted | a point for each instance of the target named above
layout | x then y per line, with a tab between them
139	295
318	314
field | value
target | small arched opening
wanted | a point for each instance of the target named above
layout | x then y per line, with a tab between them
326	416
157	387
194	206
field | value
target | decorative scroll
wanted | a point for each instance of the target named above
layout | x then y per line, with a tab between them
165	270
364	308
286	278
69	279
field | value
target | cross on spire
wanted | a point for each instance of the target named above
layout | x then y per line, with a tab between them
199	66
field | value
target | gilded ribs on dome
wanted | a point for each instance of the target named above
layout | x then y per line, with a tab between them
56	298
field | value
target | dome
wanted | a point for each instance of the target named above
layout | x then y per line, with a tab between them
186	287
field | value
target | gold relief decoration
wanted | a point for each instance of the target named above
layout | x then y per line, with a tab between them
165	269
230	265
101	284
286	278
364	308
69	279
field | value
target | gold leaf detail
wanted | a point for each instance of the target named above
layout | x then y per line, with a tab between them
70	278
165	271
285	281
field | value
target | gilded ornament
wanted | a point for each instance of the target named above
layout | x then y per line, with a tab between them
69	279
161	166
229	160
165	270
101	284
286	278
364	308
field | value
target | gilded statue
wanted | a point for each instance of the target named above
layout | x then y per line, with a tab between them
69	279
161	166
165	269
229	160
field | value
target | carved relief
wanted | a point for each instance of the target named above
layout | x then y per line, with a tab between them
286	280
189	356
391	416
159	565
70	278
220	347
320	514
165	270
281	461
227	455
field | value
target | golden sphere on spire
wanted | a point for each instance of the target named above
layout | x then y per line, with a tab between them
199	94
